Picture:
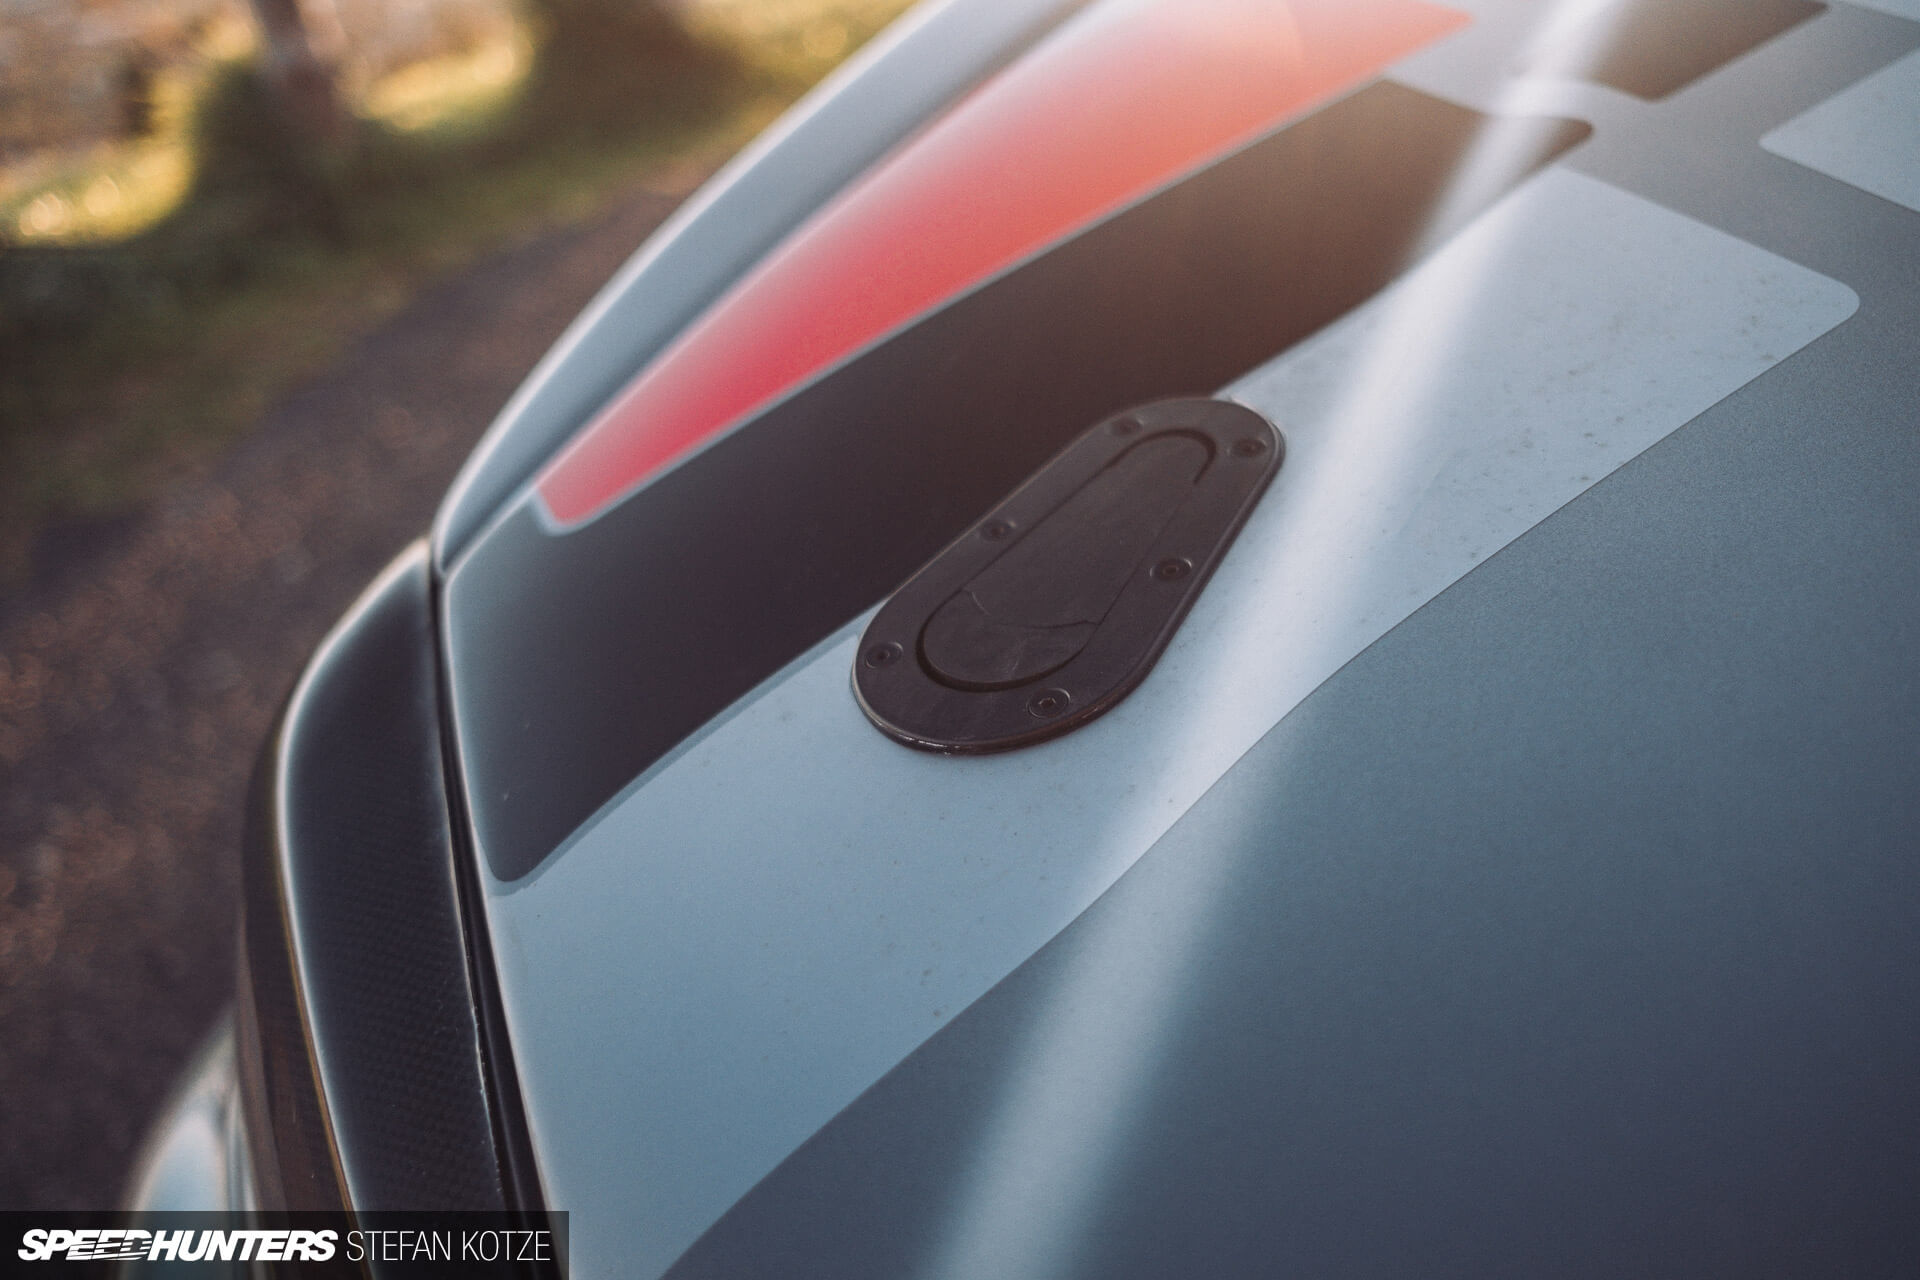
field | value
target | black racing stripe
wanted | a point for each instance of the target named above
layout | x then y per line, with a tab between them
579	660
1650	48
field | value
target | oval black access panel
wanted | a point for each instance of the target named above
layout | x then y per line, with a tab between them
1057	603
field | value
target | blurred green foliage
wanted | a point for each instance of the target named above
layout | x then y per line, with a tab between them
119	360
608	73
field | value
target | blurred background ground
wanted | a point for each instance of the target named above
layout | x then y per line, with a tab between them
241	356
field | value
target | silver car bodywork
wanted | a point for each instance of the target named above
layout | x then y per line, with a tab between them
1507	867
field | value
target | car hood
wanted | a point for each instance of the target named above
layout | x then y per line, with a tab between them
1443	829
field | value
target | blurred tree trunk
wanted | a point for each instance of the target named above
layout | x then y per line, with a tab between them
313	122
298	78
602	62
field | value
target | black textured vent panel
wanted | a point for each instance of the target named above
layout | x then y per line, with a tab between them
370	903
286	1126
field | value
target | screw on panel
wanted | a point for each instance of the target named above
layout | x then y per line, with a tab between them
1049	703
1172	569
1249	447
996	530
881	654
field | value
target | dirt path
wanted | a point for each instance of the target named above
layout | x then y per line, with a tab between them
136	687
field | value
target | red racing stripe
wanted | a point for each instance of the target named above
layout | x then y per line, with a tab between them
1114	106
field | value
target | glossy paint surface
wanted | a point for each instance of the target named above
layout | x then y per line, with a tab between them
195	1159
